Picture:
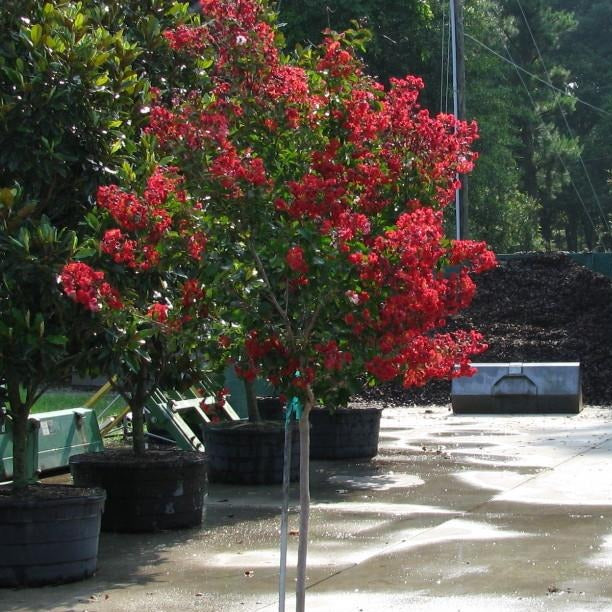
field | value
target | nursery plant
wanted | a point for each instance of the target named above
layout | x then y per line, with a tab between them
146	291
74	83
323	196
72	88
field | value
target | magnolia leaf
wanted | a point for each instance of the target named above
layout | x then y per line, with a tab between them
102	80
85	253
58	340
36	32
79	21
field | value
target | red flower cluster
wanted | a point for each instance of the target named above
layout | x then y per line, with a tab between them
87	286
145	221
194	39
146	216
333	358
476	255
158	312
196	245
257	348
427	357
319	150
338	61
295	260
232	170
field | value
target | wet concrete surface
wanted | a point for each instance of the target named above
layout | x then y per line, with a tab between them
456	513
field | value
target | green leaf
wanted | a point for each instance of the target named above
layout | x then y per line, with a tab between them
102	80
57	340
79	21
36	33
84	253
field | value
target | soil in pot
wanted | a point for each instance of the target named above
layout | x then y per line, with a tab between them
162	489
344	433
49	534
250	453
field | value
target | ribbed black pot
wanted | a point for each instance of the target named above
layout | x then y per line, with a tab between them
162	489
249	453
49	537
345	433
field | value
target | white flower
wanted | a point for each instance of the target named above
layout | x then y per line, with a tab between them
241	40
352	296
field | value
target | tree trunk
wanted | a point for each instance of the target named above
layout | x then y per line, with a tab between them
138	433
571	236
300	589
19	413
140	390
251	401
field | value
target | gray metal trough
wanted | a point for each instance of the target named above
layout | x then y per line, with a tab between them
519	388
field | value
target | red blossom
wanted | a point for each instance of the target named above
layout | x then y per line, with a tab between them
224	341
333	358
196	245
191	39
248	374
476	254
87	286
158	312
295	260
193	293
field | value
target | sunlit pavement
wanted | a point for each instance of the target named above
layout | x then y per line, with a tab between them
469	513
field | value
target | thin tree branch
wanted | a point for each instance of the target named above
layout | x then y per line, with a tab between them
313	320
270	292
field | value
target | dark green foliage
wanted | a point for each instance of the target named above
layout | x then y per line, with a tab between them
72	97
400	30
74	82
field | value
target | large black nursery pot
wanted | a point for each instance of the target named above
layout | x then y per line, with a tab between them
250	453
49	534
162	489
344	433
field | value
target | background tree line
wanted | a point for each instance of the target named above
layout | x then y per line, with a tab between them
538	83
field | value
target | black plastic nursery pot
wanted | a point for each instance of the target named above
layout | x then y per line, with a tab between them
344	433
49	534
162	489
250	453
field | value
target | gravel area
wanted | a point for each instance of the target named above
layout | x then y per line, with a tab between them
541	307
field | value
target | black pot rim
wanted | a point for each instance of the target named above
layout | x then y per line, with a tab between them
243	426
347	410
126	459
86	495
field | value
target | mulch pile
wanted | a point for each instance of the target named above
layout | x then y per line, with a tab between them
541	307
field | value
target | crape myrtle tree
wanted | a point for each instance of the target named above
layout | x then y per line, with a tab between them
323	197
74	80
145	288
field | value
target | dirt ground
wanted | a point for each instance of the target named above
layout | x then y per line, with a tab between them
541	307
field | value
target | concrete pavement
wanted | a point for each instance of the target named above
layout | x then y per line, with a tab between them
456	513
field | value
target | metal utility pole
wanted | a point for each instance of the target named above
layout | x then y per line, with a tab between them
457	38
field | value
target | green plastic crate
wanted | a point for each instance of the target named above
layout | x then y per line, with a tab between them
60	434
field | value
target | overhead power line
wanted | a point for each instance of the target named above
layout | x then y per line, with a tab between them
536	77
